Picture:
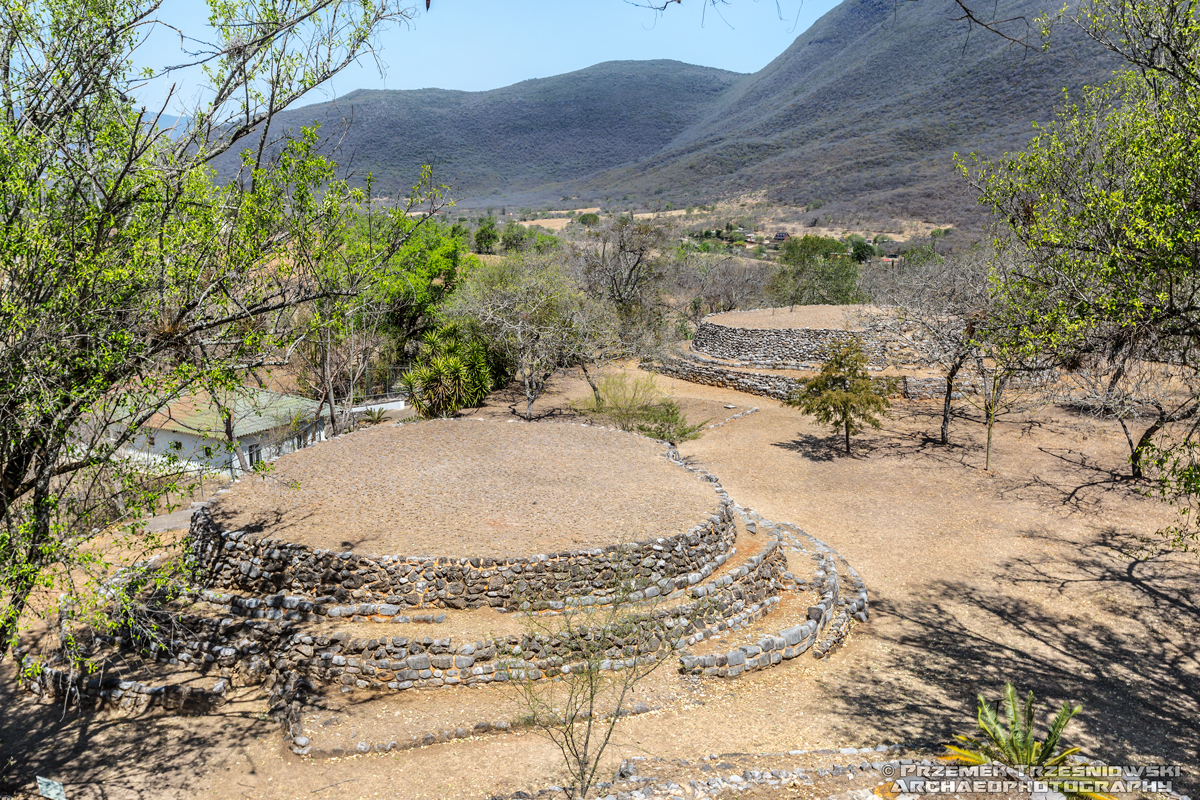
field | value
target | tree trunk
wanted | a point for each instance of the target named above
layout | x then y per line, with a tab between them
227	422
227	418
991	423
847	428
34	560
950	376
327	377
1135	458
592	383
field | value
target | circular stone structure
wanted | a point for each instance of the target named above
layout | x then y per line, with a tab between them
782	335
471	488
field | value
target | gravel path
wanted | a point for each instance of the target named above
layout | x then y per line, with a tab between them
466	487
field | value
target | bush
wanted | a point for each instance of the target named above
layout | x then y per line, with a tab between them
666	421
452	373
638	405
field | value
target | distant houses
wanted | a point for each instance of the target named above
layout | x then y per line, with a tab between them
781	236
265	425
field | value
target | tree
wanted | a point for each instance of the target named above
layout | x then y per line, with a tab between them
934	309
619	261
594	657
349	251
815	279
842	394
861	250
526	309
1101	211
1132	381
486	236
514	237
128	279
698	283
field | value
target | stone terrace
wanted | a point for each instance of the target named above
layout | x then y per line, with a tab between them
466	488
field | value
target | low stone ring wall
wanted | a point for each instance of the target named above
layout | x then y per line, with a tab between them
243	561
782	344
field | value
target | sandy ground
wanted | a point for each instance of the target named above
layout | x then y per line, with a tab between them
1043	571
468	488
824	317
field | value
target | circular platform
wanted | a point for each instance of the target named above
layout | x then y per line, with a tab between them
471	488
799	317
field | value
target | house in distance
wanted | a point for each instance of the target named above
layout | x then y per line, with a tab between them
265	426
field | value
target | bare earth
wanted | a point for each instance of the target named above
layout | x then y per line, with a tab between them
820	317
1043	571
471	488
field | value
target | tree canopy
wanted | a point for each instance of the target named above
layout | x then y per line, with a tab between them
127	277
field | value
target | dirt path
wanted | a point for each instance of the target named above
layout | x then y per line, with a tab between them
1038	572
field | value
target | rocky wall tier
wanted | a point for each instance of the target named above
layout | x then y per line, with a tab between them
251	563
782	344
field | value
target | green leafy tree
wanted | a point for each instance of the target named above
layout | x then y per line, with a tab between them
842	394
127	278
515	237
1101	213
589	219
527	310
800	249
486	236
862	250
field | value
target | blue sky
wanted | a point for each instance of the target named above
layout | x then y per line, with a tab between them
484	44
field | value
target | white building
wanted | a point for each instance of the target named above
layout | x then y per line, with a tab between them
266	425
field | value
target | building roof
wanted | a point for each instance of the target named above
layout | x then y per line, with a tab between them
253	410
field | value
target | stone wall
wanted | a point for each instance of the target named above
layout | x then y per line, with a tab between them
765	385
782	344
113	692
247	562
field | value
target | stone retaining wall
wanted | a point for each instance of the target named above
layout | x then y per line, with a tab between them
782	344
828	619
779	387
114	692
246	562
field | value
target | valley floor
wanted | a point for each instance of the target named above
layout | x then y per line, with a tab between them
1044	572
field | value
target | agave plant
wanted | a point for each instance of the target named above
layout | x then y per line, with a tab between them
1013	742
375	415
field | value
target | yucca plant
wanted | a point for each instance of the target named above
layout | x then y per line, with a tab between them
452	373
1013	741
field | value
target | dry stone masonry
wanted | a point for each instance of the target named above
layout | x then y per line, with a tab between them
268	610
780	344
389	585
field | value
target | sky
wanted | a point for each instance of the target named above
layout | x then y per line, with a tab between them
485	44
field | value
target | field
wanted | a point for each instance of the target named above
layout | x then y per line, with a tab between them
1043	571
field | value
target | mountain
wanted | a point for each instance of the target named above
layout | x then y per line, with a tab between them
870	104
865	108
522	136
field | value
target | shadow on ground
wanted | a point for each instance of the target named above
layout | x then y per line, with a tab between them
109	757
1133	667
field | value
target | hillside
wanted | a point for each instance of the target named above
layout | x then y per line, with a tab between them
521	136
864	110
869	105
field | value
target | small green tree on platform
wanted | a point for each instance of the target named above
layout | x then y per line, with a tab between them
842	394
